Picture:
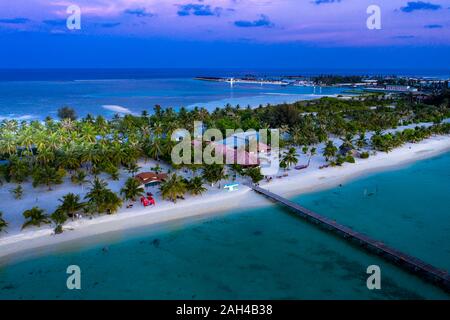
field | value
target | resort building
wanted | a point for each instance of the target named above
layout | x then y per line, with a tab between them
395	88
392	88
370	82
243	140
148	179
244	147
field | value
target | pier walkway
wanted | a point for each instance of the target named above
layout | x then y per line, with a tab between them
428	272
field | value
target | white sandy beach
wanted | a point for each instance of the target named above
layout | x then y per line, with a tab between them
214	201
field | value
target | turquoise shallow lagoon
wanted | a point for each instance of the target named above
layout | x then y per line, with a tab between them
264	253
30	100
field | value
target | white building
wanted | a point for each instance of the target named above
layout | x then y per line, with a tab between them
396	88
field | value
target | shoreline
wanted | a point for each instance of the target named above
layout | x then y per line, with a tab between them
25	244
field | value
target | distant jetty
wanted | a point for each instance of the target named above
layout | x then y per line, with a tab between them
210	79
248	80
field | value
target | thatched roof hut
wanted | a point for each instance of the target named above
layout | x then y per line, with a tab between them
150	178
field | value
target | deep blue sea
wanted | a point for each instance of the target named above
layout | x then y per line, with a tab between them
263	253
35	94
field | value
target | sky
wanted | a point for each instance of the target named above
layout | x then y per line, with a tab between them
225	33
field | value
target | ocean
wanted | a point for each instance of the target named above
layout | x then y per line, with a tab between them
264	253
36	94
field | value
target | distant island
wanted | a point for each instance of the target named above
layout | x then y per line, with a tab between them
383	84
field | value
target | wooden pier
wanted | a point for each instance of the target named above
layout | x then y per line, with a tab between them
426	271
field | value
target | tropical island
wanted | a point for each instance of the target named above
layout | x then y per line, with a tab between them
70	178
419	86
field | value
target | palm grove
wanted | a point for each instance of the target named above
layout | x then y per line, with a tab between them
46	152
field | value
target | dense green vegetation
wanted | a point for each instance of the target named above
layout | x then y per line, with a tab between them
336	79
174	188
387	142
35	217
45	153
132	190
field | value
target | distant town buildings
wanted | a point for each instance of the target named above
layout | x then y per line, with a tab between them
386	84
395	88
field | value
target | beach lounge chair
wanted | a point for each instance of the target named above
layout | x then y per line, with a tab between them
145	202
151	200
231	187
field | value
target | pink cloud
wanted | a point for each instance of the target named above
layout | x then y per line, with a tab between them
333	23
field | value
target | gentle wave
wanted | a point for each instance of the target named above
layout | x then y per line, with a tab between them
18	118
118	109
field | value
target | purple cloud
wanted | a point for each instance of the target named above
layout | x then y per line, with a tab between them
139	12
404	37
198	10
110	24
420	5
263	21
55	22
325	1
15	20
328	22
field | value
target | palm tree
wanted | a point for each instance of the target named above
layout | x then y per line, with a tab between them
71	160
133	168
70	204
26	139
157	128
296	135
195	186
347	142
35	217
112	170
157	169
96	191
19	169
3	223
8	143
362	141
312	153
237	170
254	174
88	133
213	173
330	150
173	188
144	114
290	157
157	111
112	203
156	148
67	112
101	199
132	189
118	153
48	175
283	129
17	192
115	174
79	177
59	217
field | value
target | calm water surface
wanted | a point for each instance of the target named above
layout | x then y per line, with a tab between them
29	100
264	253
